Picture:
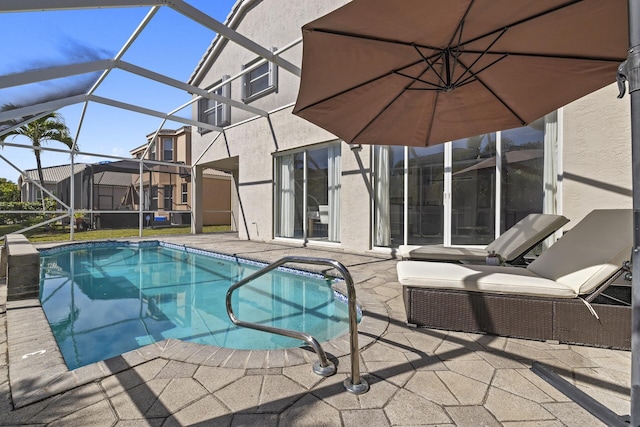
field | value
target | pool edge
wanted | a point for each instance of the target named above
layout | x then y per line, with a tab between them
40	375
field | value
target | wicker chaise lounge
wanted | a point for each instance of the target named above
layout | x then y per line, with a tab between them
511	246
544	301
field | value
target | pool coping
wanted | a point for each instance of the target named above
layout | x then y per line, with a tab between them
37	369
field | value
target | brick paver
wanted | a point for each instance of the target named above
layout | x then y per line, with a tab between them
416	376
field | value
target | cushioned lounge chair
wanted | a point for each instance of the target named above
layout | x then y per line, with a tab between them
511	246
547	300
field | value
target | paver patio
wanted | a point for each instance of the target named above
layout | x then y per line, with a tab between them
417	376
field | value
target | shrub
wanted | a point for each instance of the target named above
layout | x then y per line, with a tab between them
24	218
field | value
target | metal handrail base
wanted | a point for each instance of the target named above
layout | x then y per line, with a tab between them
322	367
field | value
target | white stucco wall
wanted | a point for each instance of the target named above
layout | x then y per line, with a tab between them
596	154
275	23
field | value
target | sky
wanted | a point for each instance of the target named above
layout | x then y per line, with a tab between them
171	44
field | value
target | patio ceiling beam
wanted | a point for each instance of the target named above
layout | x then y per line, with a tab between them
20	124
186	87
178	5
51	73
39	5
30	110
34	76
149	112
92	154
204	19
145	21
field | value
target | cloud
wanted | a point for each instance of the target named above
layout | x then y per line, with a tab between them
118	151
67	51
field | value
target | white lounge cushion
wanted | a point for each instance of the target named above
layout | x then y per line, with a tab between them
443	253
509	245
479	278
524	234
590	252
582	259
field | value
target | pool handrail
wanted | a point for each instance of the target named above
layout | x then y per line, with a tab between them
324	367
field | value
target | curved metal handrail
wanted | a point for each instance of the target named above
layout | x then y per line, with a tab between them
323	367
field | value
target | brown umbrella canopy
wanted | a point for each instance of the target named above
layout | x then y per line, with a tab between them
422	72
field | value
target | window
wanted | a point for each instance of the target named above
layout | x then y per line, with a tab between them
260	81
168	197
167	149
152	151
215	112
315	173
185	194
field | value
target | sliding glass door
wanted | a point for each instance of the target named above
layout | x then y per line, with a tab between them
289	213
523	163
465	192
473	190
307	194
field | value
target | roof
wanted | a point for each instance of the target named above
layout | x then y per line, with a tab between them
115	179
133	166
210	173
238	11
53	174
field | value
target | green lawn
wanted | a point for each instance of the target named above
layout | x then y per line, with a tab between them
57	234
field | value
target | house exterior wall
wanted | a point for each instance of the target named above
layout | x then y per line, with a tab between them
217	189
596	154
217	201
29	192
275	23
594	137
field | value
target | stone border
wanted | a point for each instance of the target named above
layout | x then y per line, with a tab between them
20	263
37	370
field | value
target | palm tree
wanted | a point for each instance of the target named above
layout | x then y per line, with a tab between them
50	127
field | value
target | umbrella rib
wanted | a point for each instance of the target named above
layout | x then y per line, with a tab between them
549	55
482	54
428	62
474	74
516	115
525	20
349	89
459	31
372	38
417	79
382	110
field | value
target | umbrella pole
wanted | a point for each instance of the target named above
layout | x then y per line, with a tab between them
631	71
633	75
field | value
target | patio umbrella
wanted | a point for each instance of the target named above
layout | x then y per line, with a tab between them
422	72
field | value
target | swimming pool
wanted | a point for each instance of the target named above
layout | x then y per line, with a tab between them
104	299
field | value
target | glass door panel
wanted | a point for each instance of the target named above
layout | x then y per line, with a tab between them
522	173
388	196
289	176
426	189
317	194
473	184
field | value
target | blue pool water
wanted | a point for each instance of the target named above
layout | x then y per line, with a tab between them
105	299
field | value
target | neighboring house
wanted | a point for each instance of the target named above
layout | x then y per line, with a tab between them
105	187
167	190
28	182
297	182
115	186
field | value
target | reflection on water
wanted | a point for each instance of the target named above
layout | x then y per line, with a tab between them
104	301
